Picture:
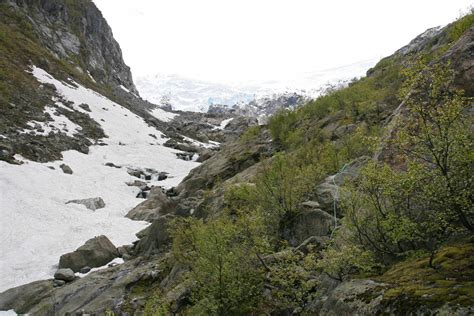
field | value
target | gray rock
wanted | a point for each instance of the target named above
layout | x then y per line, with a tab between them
66	169
96	252
156	237
58	283
85	107
162	176
111	164
347	299
91	203
137	183
64	274
157	204
85	269
308	223
328	191
92	294
344	130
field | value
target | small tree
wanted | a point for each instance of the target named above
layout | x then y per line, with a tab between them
437	134
224	269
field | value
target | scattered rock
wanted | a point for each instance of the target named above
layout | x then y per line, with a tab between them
66	169
186	156
65	274
85	107
137	183
96	252
85	269
142	195
91	203
110	164
162	176
58	283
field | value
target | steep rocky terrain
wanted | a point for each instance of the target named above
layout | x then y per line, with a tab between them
78	147
293	168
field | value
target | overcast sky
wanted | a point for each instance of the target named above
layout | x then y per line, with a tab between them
238	40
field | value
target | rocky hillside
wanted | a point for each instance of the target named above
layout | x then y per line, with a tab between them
78	147
358	202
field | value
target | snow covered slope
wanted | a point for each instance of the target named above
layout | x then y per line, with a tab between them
197	95
38	226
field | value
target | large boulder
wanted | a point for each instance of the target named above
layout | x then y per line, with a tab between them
64	275
309	222
157	204
96	252
91	203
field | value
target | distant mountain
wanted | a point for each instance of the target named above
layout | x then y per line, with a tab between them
198	95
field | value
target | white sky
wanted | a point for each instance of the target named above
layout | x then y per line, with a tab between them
238	40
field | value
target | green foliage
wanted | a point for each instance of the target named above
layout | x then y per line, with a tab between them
291	276
437	134
250	134
457	28
393	213
366	99
223	261
156	307
341	261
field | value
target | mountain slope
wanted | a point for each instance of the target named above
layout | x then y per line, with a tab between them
247	230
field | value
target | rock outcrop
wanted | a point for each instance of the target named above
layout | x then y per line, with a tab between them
70	28
96	252
157	204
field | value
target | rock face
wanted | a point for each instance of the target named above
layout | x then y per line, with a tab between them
67	28
96	252
92	203
99	291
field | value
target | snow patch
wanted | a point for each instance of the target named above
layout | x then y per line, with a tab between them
224	123
114	262
38	227
118	123
163	115
59	124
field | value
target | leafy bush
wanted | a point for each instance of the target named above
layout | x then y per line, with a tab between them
223	263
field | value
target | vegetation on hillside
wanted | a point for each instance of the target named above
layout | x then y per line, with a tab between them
398	214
